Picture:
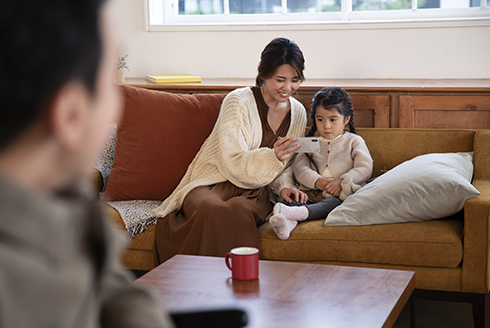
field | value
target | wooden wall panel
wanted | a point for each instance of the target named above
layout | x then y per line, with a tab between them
451	102
382	111
444	111
364	118
446	104
362	101
370	110
447	119
406	112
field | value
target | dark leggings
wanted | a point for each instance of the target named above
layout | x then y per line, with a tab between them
320	210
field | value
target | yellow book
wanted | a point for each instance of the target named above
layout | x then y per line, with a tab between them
173	78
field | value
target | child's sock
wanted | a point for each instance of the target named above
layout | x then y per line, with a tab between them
293	213
281	226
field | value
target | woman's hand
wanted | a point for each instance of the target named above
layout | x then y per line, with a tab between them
334	187
280	148
290	194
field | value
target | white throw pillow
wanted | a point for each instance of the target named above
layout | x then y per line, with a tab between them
427	187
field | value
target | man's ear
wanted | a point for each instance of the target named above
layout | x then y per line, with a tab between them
68	115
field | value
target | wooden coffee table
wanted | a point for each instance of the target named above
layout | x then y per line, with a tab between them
286	294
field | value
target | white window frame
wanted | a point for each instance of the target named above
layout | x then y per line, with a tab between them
170	20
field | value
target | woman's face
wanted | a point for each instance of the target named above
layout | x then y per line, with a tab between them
282	84
329	122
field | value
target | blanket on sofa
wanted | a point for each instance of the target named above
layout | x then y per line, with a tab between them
137	215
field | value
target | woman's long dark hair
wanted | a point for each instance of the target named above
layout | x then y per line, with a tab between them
332	98
278	52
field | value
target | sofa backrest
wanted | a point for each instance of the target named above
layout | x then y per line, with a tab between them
391	147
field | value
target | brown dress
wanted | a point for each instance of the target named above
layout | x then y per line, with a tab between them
214	219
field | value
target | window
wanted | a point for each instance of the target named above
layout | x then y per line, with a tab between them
233	12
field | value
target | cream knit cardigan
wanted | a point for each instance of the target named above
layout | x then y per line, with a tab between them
347	158
232	153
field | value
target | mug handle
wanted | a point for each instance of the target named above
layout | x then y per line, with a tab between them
227	260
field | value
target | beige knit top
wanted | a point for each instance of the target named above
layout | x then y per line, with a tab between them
232	153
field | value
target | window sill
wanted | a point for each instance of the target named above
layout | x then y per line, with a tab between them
478	21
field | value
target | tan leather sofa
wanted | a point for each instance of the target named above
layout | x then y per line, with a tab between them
450	254
443	256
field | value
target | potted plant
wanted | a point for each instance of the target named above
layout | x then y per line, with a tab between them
121	65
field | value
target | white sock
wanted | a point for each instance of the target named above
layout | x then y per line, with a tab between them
293	213
281	226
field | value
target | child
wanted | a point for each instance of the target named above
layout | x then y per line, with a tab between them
342	166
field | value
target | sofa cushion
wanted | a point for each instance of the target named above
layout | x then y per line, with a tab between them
157	137
427	187
436	243
391	147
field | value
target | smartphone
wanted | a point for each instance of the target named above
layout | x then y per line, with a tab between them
307	145
226	318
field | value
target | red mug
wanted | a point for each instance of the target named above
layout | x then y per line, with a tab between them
244	263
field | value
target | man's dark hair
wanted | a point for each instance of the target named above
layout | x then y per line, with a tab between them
44	44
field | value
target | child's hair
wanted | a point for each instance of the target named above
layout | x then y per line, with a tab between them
332	98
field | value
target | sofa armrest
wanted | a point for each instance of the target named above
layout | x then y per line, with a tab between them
95	180
482	154
476	243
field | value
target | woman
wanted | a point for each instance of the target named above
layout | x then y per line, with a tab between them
224	194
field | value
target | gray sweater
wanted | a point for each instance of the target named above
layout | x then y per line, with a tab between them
346	157
59	266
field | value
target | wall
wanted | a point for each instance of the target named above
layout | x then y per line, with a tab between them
433	53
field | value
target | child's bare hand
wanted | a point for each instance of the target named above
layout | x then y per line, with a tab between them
322	183
280	148
334	187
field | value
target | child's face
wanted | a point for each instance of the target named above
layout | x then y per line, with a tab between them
330	122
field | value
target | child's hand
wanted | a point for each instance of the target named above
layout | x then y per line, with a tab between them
334	187
322	183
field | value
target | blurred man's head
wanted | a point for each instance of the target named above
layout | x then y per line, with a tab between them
56	68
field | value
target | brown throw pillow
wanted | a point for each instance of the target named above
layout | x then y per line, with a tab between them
157	137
